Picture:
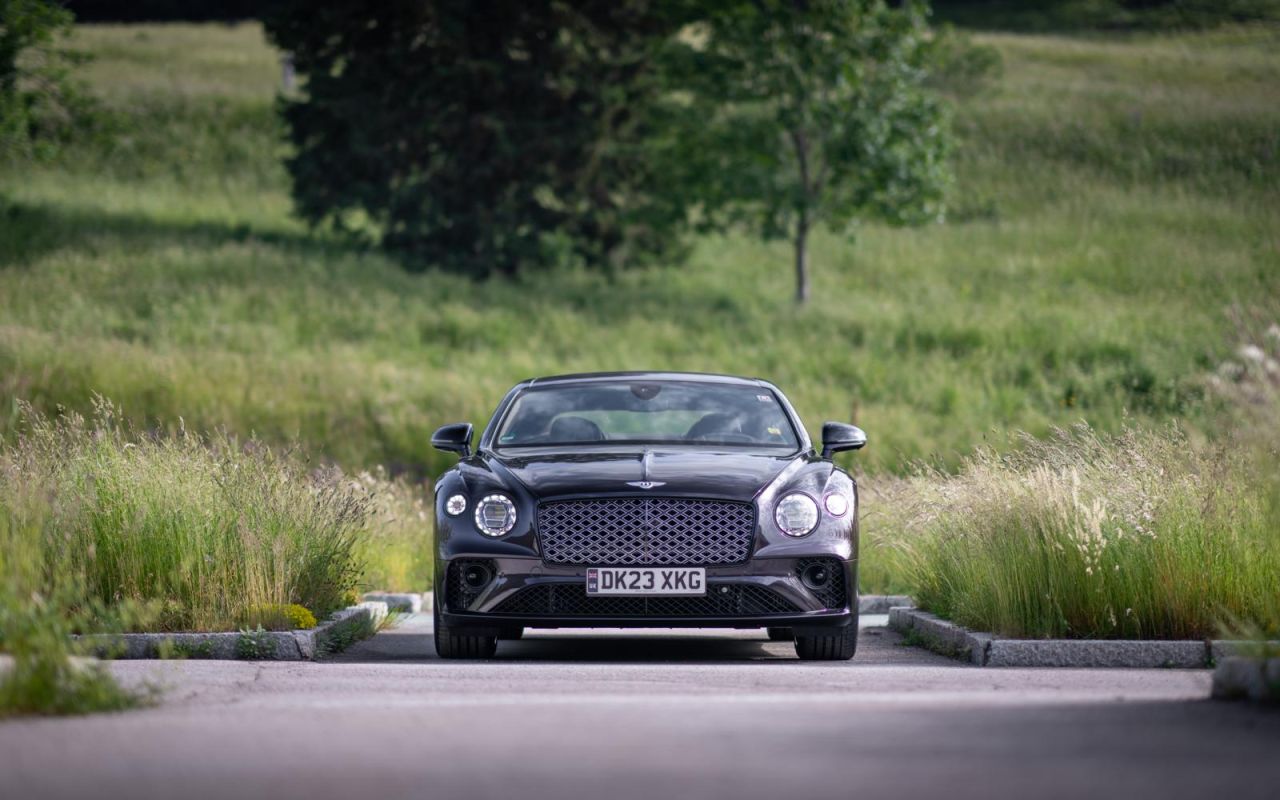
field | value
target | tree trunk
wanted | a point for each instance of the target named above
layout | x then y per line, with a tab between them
801	144
802	260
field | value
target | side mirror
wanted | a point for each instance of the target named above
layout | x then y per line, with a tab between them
837	437
454	438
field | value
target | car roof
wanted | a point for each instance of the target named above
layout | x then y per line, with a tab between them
697	377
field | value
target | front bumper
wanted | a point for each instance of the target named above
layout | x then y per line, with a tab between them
763	592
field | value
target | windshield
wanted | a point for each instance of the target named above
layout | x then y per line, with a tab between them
650	412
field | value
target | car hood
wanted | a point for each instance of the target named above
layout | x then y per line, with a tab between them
732	475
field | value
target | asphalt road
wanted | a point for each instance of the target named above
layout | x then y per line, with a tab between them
648	714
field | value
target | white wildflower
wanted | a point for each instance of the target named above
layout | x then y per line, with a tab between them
1251	352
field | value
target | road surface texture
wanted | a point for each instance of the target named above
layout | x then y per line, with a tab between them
654	714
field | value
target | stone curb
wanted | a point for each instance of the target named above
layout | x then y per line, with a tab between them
941	636
1247	678
986	650
334	634
400	602
881	603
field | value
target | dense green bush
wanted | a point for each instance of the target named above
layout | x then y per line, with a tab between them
39	103
485	137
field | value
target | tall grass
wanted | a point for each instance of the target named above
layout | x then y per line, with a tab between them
1144	534
199	530
396	548
105	528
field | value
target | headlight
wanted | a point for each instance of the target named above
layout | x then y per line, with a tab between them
455	505
837	504
796	514
495	515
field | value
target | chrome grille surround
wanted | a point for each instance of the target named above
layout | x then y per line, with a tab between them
642	531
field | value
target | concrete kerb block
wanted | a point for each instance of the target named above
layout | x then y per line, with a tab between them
403	603
339	630
1187	654
347	626
985	649
953	640
1221	649
901	619
979	646
881	603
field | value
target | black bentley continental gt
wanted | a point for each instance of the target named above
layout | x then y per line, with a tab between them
646	499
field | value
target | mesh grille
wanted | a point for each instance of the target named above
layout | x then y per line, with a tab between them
458	595
633	531
833	595
572	600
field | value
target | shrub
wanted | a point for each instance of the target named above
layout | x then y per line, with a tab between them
280	618
39	104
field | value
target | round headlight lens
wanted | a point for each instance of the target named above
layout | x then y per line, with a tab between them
837	504
495	515
456	504
796	514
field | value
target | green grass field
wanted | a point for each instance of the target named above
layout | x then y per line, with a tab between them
1114	215
1114	197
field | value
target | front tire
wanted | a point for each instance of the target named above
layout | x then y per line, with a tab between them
832	644
454	642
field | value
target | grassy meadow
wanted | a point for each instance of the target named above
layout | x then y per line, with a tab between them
1116	197
1113	197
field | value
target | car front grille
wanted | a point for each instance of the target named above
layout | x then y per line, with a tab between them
664	531
572	600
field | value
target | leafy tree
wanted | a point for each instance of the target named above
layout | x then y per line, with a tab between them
818	114
486	136
36	96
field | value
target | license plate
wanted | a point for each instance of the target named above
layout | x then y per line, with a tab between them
647	580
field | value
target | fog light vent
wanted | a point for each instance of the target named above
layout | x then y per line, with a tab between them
824	578
466	579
